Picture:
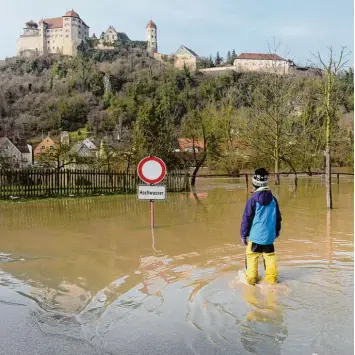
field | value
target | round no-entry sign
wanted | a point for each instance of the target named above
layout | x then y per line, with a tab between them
151	170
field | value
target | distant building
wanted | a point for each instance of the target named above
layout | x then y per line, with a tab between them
152	37
185	57
109	37
260	62
47	146
17	156
188	145
60	35
85	149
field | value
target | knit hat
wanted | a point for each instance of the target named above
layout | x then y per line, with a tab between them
260	178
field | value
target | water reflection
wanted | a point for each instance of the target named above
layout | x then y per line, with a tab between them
263	331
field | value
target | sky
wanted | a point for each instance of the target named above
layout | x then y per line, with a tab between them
298	29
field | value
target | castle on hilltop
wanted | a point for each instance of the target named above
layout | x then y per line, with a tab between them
61	35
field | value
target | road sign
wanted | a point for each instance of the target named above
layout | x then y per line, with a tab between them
149	192
151	170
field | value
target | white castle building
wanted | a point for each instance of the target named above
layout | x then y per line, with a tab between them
60	35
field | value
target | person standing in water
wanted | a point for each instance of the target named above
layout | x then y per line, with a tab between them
261	225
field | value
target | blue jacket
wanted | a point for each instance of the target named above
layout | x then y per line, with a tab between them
261	221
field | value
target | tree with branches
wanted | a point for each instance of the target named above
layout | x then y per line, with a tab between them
331	100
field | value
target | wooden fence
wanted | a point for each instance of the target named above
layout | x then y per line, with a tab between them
52	183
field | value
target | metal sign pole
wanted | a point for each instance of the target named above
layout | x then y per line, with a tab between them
152	171
152	213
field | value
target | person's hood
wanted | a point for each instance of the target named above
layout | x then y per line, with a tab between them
263	196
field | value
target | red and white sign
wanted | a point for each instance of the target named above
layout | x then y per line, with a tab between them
151	170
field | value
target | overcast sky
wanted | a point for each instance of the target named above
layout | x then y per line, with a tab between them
206	26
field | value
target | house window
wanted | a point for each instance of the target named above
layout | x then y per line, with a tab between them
43	147
67	36
38	154
51	147
67	19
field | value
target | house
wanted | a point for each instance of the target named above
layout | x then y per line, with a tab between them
85	149
189	145
109	37
46	146
18	156
262	63
185	57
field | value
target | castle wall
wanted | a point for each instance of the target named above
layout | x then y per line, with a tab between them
27	45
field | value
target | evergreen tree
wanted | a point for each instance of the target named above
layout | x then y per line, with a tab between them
228	56
218	59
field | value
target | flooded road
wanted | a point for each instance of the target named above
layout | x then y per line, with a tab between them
88	276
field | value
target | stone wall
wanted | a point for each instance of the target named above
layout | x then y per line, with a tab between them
217	71
190	62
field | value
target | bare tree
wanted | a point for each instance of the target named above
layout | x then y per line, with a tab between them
331	104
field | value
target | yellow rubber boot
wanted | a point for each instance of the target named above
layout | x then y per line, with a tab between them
252	265
271	273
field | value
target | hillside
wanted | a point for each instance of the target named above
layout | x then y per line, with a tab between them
149	104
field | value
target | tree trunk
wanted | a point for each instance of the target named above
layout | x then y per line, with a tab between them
277	175
197	168
328	178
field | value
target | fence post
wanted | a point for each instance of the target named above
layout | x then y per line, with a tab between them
246	180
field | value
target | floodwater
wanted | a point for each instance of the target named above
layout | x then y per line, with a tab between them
88	276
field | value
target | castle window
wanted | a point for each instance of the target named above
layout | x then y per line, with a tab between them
67	36
67	19
48	42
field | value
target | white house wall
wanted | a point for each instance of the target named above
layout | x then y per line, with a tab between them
259	65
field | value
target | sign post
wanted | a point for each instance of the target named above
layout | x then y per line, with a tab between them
151	170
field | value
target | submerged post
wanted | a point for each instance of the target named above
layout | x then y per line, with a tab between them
338	175
246	180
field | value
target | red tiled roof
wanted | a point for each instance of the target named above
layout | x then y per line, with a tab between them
188	143
259	56
56	22
151	24
71	13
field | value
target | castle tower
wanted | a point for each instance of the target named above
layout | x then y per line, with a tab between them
152	38
43	37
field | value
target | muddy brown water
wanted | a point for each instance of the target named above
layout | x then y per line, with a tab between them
88	276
